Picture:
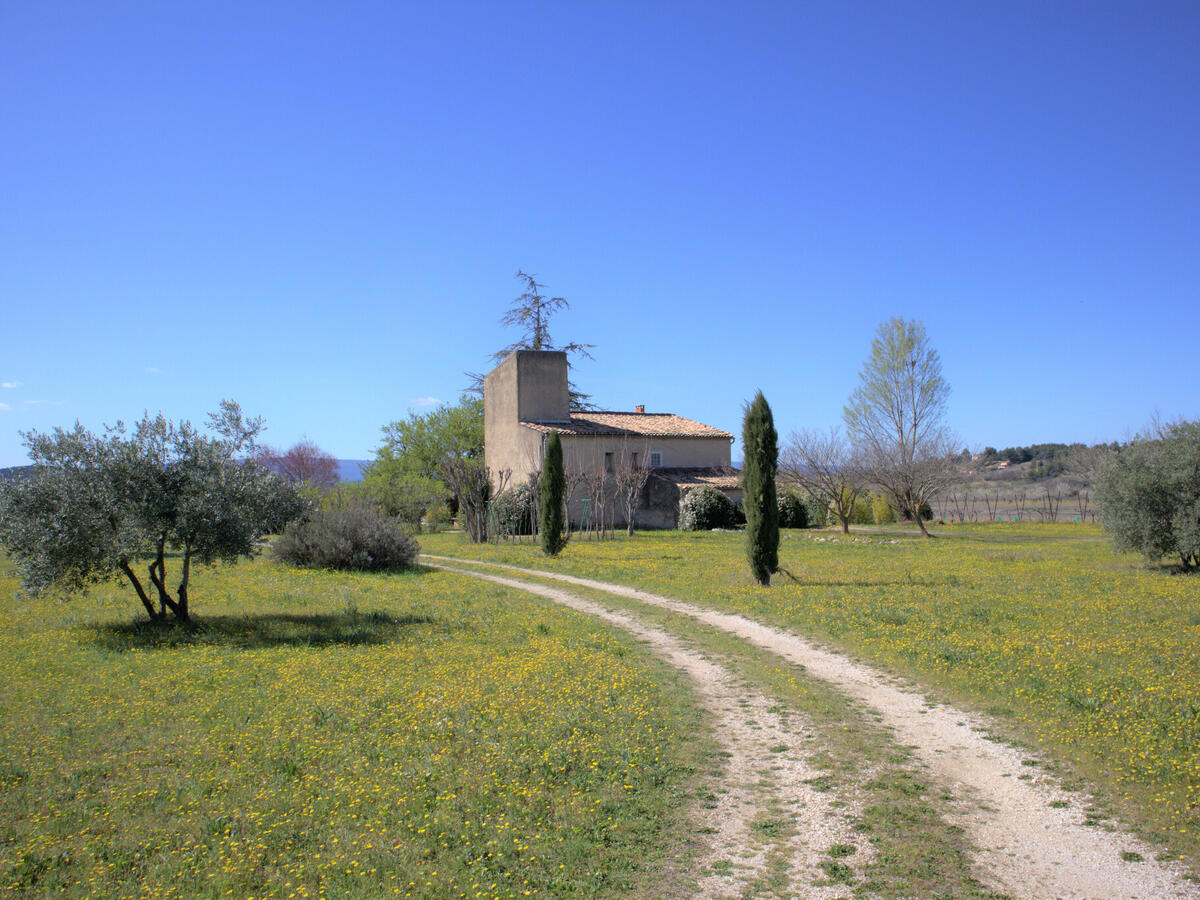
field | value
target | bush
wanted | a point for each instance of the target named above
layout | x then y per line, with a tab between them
704	508
861	512
792	511
353	538
1148	495
926	513
515	511
817	511
882	510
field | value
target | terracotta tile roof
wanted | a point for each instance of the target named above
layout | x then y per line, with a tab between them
596	424
723	478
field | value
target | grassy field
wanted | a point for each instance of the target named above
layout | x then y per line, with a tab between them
334	735
1092	658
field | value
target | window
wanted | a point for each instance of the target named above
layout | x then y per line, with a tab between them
633	460
608	465
655	459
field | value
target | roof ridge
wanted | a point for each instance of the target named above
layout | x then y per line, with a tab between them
622	412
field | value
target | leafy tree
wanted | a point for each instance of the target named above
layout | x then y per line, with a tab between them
896	417
96	507
552	486
1148	494
408	473
761	459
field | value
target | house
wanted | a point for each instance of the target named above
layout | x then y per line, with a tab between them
525	398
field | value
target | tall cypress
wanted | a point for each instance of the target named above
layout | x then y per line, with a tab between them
550	489
760	444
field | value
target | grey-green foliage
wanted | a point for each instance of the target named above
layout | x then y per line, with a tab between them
552	487
760	444
704	508
1148	494
351	538
792	511
818	511
98	506
515	511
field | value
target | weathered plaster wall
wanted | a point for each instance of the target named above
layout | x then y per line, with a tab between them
529	384
587	453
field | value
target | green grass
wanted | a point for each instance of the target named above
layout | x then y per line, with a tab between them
916	853
335	735
1088	657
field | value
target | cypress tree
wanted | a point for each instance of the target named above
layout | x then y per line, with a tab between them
551	487
760	444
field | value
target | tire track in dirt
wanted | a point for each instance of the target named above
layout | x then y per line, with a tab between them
766	772
1024	846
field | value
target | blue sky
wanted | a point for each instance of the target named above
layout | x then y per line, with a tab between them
318	209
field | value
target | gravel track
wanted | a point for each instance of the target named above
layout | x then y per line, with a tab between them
1023	846
765	769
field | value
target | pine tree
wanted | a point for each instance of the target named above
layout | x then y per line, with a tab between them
551	487
760	444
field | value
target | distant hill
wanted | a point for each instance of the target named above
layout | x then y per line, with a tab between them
12	473
351	469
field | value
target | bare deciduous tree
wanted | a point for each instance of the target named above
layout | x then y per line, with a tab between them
597	483
823	464
894	418
468	479
631	476
303	463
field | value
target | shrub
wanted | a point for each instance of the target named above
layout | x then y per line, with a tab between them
704	508
515	511
792	511
352	538
882	510
437	517
817	510
926	513
861	512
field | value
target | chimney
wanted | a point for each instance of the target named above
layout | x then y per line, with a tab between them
639	408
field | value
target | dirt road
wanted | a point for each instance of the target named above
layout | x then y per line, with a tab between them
1029	835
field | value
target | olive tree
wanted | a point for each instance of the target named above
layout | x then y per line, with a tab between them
895	419
97	507
1148	494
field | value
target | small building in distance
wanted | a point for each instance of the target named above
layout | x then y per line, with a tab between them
526	397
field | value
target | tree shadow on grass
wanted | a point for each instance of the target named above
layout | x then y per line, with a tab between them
347	628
